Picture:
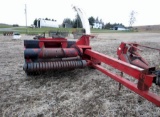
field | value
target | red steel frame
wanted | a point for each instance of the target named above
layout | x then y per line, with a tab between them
144	77
129	69
56	41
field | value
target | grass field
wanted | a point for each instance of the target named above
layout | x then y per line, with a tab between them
5	26
42	30
28	30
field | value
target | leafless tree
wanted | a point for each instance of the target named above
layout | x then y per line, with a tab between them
132	18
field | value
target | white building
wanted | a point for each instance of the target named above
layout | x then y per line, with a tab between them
98	24
119	27
47	23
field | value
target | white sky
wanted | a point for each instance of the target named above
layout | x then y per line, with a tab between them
113	11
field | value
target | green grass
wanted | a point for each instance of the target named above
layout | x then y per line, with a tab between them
5	26
107	31
41	30
28	30
35	31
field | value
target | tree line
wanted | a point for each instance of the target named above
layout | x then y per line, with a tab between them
76	23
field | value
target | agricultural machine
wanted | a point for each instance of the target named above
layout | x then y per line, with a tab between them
50	54
58	53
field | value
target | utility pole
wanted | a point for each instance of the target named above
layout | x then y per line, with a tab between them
26	17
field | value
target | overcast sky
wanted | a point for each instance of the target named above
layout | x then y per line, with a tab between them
113	11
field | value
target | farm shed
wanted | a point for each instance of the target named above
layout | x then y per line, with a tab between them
47	23
119	27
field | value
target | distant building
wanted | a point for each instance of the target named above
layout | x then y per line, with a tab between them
67	25
47	23
119	27
98	24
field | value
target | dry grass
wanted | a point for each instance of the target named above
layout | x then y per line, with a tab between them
149	28
80	92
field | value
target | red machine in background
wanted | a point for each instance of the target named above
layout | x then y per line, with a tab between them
59	53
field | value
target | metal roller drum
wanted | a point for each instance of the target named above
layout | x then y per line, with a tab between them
45	66
31	44
35	44
50	53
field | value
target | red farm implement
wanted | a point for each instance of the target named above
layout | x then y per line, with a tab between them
58	53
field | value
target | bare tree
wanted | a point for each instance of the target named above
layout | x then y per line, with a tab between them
132	18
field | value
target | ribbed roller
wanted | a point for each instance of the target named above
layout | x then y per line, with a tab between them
45	66
50	53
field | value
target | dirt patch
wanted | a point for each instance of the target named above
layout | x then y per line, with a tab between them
80	92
